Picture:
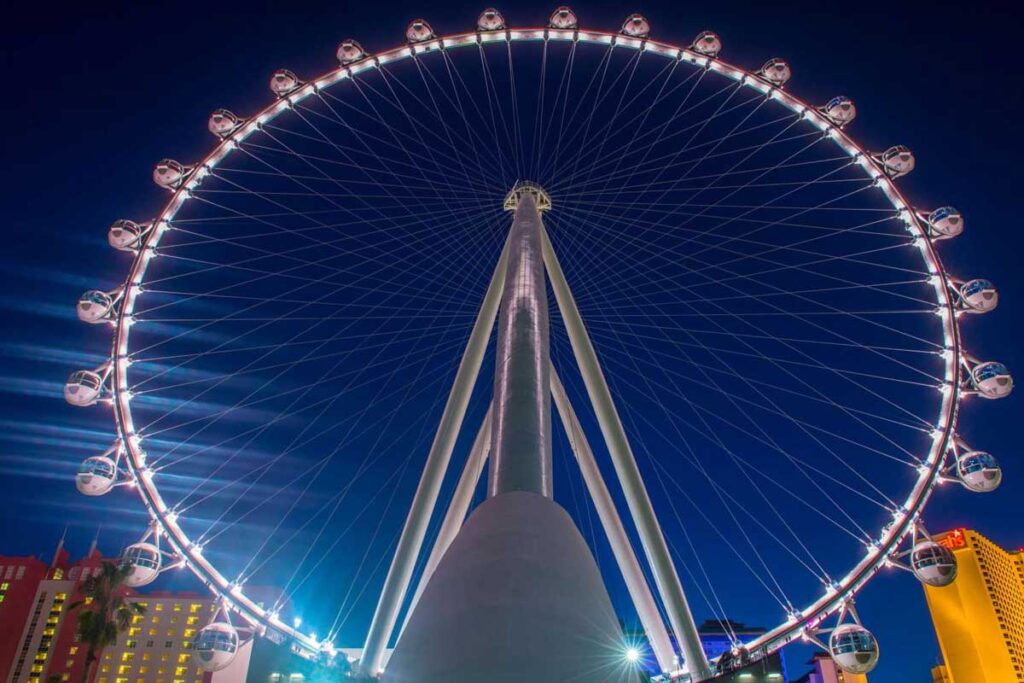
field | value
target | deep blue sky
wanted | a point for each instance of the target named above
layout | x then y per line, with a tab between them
95	96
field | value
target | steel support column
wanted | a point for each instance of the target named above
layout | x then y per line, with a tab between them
396	585
521	431
625	557
651	537
457	509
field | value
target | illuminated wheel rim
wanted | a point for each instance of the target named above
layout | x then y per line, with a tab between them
798	622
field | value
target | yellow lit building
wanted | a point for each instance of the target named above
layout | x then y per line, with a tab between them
156	648
979	619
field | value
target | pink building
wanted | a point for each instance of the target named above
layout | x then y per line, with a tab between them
39	642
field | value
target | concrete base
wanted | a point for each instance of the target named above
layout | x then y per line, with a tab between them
517	598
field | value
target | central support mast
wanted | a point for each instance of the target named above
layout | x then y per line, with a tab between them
517	595
521	430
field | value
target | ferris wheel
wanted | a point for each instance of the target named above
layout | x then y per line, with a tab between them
755	343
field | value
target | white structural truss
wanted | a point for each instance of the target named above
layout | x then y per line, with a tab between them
168	542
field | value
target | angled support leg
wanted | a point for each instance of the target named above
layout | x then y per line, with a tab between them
396	585
625	557
651	536
457	509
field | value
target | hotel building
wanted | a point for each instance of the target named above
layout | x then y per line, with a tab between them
979	618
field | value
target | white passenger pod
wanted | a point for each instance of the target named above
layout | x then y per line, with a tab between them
215	645
284	82
776	71
563	18
839	110
976	296
636	26
990	379
490	20
897	161
349	51
853	648
170	174
95	306
126	235
933	564
96	475
943	223
418	31
86	387
223	123
707	43
978	471
143	562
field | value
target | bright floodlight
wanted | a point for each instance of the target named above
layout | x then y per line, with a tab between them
632	655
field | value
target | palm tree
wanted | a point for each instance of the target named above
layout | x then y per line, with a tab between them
105	613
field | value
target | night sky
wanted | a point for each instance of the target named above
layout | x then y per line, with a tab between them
96	96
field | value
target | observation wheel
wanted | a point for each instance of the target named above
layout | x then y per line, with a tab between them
767	313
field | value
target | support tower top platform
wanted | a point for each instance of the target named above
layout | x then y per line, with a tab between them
540	196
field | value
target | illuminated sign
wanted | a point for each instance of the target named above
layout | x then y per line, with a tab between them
954	539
